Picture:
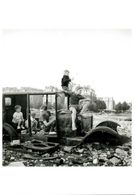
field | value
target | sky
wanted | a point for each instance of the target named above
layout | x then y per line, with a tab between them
99	58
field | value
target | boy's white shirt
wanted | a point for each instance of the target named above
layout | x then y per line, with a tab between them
32	119
17	116
45	122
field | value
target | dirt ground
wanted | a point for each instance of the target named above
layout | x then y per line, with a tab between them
92	154
124	119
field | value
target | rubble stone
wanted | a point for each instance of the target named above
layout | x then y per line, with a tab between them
12	158
16	164
115	161
103	157
5	163
122	153
108	153
81	150
95	161
84	155
46	155
67	149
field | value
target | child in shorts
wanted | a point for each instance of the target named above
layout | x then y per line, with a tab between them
18	117
65	81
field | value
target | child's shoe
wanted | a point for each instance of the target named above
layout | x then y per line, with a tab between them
22	127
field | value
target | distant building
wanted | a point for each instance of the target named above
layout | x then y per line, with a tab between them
130	104
30	90
87	91
109	101
10	90
21	90
51	98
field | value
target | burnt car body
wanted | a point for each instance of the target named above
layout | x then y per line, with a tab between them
9	102
23	99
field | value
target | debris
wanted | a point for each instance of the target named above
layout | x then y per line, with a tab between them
61	154
115	161
10	131
46	155
60	161
15	142
29	156
108	153
103	157
50	158
29	150
81	150
95	161
16	164
77	161
87	121
52	133
42	165
12	158
67	149
101	134
31	164
37	145
65	124
5	163
88	154
121	153
111	124
96	145
23	132
86	164
89	147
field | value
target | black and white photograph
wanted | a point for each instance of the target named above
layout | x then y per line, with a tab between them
73	107
67	97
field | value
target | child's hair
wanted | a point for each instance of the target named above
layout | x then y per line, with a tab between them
43	107
78	88
66	71
33	114
17	106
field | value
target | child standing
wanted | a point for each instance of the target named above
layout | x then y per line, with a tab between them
18	117
65	81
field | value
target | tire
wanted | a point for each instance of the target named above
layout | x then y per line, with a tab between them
102	134
8	129
111	124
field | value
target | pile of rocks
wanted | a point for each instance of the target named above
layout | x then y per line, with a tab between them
95	154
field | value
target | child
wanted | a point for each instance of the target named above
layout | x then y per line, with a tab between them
65	81
33	122
47	123
43	110
18	117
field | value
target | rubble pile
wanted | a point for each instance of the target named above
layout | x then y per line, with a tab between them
94	154
85	154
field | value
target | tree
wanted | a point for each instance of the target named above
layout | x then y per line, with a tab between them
125	106
36	101
100	104
118	107
93	107
122	106
87	89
